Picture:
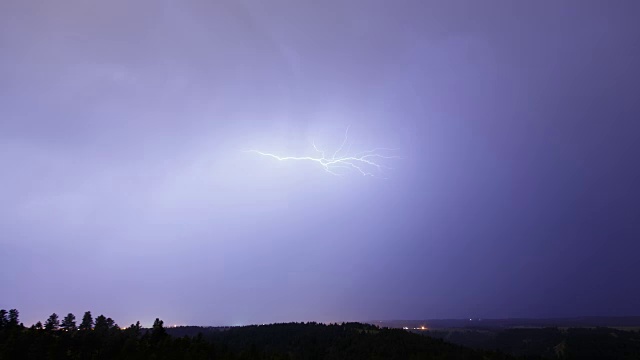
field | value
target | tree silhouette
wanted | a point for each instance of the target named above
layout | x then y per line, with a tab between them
135	329
14	318
87	321
111	324
158	332
38	325
4	320
69	322
52	322
102	326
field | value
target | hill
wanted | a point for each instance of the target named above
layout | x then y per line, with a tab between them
351	341
550	343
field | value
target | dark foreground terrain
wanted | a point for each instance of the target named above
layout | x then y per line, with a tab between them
560	338
550	343
103	339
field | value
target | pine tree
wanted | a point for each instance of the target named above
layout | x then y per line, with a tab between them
101	324
52	322
87	321
14	318
4	320
158	332
134	330
69	322
111	324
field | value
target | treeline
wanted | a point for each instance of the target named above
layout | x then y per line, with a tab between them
11	320
103	339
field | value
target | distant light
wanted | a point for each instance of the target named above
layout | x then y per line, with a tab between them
405	328
422	328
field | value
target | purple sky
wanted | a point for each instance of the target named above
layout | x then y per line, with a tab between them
125	189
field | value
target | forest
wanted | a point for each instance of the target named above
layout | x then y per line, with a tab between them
102	338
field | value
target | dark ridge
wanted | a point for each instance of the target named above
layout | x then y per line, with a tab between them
103	339
585	321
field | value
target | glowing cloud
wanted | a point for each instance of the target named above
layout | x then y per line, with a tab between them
367	163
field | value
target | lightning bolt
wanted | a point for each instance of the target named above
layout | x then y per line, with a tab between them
367	163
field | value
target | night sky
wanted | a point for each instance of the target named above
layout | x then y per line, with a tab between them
126	188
